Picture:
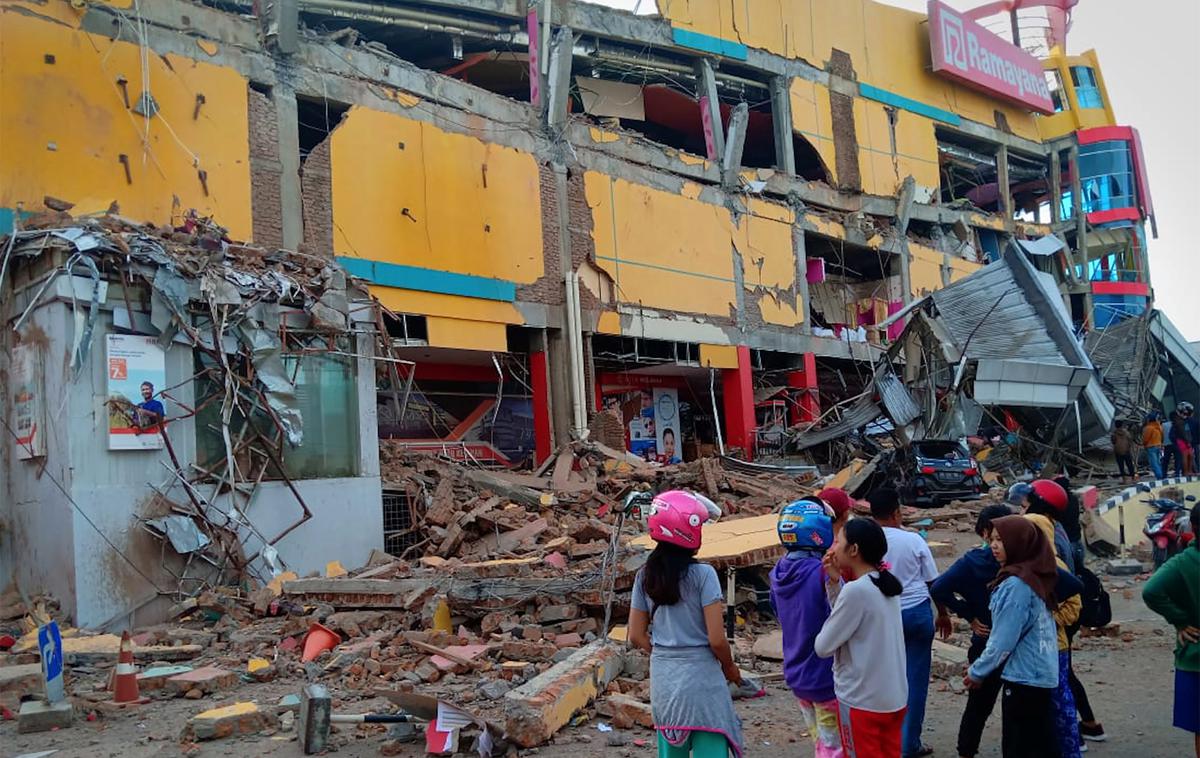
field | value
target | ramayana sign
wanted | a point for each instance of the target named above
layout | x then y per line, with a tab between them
965	51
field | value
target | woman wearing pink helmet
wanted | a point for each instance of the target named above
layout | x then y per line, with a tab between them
690	657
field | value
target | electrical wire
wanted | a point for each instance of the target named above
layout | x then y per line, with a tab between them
46	472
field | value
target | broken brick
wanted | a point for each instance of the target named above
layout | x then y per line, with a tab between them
208	680
549	614
523	650
625	711
236	719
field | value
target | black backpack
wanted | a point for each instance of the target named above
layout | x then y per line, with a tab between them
1097	609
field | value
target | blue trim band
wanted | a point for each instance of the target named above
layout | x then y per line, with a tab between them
709	43
429	280
872	92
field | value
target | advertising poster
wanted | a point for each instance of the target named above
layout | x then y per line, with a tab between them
643	441
29	402
667	426
137	371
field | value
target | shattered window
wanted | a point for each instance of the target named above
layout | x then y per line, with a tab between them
1106	174
327	399
1057	94
327	395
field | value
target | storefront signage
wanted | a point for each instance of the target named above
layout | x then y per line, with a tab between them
965	51
28	402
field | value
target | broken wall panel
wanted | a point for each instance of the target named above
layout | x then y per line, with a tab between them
888	45
663	250
408	193
77	137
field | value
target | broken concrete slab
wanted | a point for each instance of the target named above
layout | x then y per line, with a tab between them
155	678
40	716
769	646
17	681
208	680
536	710
237	719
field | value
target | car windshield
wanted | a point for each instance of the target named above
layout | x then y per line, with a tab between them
947	450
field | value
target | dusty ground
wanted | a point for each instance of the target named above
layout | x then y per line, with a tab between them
1129	682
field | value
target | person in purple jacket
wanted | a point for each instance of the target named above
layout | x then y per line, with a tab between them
798	596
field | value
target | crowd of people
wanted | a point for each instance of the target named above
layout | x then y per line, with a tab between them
860	600
1172	444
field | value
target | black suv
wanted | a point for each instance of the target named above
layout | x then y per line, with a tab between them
938	471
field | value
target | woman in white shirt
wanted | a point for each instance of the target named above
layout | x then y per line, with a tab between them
865	636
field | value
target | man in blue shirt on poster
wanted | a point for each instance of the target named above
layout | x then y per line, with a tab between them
150	411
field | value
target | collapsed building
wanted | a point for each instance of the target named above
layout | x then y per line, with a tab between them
708	230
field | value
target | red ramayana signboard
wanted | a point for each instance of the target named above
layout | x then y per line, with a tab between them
965	51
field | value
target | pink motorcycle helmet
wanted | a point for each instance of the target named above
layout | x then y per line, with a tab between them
676	517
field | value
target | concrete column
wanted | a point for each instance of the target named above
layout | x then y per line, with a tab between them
1055	187
735	143
1081	244
800	250
710	109
539	375
781	117
291	204
808	398
281	25
559	78
1006	201
737	393
558	365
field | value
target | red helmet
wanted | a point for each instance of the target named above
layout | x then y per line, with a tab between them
1051	493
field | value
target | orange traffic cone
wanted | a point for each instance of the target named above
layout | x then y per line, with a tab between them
125	686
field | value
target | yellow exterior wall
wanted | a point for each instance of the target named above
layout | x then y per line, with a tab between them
813	119
63	126
448	306
1075	118
718	356
472	207
662	250
888	46
468	335
925	269
671	251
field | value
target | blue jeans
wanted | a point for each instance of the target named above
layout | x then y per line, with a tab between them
1154	458
918	651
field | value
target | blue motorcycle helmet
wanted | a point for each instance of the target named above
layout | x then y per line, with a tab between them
805	525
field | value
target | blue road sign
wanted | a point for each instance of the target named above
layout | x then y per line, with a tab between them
50	645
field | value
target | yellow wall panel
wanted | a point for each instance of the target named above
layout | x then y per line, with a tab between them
610	323
718	356
780	313
662	250
925	269
768	258
409	193
449	306
64	126
467	335
960	268
812	118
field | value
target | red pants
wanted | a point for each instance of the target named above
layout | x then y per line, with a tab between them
866	734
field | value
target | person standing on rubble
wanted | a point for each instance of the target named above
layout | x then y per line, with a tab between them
1021	642
865	636
911	562
1122	442
1183	440
801	603
690	657
1152	440
1173	592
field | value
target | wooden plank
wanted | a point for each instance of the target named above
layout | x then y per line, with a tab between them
562	470
425	647
507	541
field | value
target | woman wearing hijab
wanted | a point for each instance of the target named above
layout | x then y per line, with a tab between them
1023	643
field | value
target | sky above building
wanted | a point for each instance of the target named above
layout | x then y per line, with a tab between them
1147	53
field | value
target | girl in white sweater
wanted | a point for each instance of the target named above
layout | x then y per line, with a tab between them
865	636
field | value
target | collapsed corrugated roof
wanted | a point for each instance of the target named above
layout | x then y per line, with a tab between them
1010	326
